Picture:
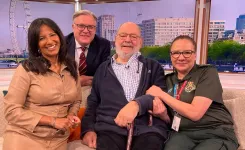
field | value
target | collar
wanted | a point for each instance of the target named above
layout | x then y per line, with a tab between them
131	59
63	67
78	46
188	76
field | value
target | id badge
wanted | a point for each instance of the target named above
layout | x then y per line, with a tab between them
176	122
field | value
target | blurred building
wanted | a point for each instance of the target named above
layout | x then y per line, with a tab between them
216	30
163	30
235	35
240	22
239	36
106	27
141	29
229	34
110	34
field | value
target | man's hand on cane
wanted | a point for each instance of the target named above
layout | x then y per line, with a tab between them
127	114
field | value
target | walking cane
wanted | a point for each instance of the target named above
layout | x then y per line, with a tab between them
130	128
130	135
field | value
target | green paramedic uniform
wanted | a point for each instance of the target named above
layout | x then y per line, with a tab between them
214	131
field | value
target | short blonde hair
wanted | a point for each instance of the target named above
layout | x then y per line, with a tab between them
84	12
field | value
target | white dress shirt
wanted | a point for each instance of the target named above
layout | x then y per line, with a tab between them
78	51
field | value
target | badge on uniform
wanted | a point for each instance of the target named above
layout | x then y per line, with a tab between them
190	86
176	122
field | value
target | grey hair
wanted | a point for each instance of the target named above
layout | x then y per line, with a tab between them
84	12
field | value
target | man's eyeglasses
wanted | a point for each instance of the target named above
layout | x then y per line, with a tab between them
133	37
82	27
186	54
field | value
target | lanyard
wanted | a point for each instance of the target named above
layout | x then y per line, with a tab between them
178	91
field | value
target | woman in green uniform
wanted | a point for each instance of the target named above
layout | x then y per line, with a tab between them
200	120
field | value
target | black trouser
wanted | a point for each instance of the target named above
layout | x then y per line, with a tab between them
113	141
208	139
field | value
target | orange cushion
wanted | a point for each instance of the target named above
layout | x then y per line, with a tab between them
75	133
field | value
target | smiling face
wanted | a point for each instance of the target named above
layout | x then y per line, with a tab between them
184	62
84	29
128	40
49	42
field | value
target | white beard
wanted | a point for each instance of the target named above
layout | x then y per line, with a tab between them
124	55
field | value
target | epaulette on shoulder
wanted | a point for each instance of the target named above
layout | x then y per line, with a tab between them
206	66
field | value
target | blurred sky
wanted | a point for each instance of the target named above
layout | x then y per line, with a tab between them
227	10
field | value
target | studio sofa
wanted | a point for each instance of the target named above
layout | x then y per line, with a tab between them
234	100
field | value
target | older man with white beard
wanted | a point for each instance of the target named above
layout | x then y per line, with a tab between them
118	98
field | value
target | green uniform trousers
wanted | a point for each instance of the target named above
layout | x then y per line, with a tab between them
204	139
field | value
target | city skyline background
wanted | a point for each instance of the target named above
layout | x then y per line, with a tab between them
122	11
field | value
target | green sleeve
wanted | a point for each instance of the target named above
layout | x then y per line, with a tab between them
209	85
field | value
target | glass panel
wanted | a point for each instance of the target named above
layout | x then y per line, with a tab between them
227	35
22	13
16	16
160	21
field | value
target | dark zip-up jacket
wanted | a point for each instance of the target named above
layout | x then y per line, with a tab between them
107	99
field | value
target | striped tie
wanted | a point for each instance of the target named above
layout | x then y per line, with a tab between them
82	62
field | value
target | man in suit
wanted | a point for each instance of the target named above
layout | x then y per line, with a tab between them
88	49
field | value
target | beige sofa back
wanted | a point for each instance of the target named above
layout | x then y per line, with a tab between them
235	101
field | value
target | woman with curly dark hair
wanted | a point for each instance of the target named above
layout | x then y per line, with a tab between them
44	95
